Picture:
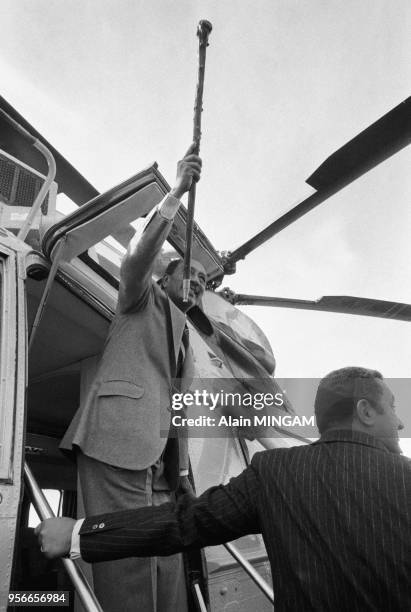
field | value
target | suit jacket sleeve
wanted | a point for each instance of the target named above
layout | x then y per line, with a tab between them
221	514
138	263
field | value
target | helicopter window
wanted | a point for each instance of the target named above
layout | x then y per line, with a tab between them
109	252
54	498
215	461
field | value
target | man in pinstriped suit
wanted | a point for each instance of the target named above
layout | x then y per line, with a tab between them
335	515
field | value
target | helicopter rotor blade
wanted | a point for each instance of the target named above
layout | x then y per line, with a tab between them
378	142
344	304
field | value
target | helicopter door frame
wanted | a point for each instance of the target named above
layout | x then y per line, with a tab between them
12	404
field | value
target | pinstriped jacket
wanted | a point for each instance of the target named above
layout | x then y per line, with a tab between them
335	516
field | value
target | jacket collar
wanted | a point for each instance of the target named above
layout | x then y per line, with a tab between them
355	437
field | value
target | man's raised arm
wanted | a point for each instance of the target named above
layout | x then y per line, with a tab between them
137	266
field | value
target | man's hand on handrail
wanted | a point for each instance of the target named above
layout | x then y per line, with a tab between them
54	536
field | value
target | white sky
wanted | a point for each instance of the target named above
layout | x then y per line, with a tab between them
111	84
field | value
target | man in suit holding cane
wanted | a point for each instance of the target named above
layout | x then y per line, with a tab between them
119	433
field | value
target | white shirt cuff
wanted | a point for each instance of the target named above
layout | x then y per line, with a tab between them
75	540
168	207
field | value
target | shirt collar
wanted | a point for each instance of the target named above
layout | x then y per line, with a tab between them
353	436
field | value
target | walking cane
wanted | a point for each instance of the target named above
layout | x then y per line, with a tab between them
203	30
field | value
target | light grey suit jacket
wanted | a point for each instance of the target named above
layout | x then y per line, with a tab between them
125	418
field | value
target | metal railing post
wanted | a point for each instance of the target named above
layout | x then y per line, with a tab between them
199	597
42	507
254	575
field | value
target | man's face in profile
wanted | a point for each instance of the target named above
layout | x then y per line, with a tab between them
387	423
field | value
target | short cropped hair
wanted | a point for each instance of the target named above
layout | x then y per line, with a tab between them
338	394
172	266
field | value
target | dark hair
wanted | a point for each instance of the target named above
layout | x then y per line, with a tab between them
173	265
170	269
338	394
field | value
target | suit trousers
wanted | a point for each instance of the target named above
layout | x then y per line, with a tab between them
155	584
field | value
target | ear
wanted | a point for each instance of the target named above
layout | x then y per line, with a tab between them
164	281
365	412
